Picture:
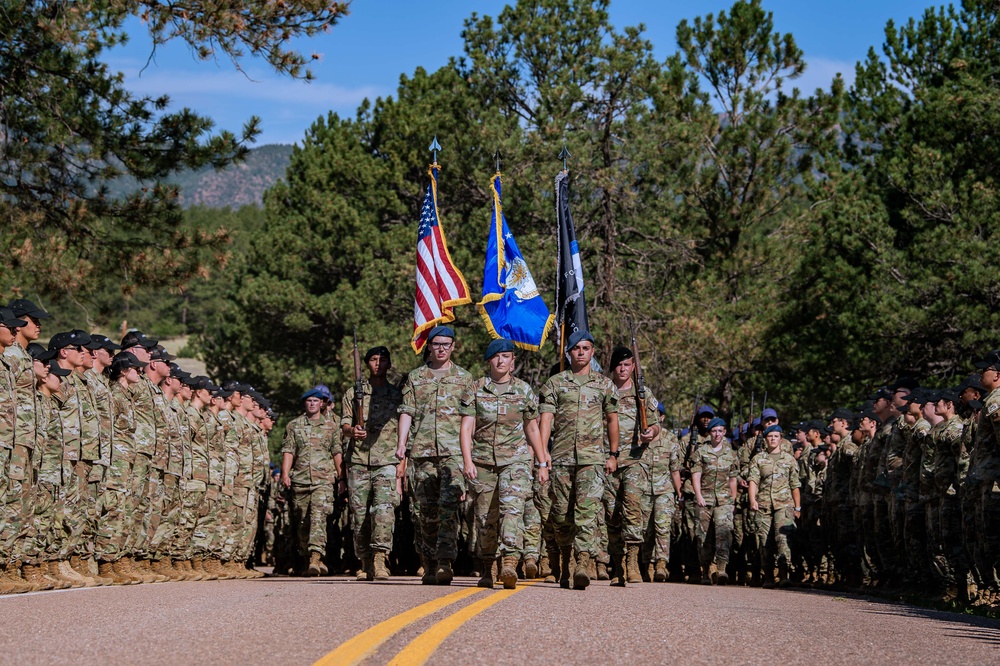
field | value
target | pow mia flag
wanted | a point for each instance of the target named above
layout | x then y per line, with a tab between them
571	307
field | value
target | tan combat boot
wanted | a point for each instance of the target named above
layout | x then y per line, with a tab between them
214	565
147	567
54	573
195	573
721	577
34	577
429	577
379	568
566	566
620	578
11	574
581	576
486	580
602	571
89	567
121	568
530	568
67	569
632	564
10	587
107	570
314	568
367	570
508	572
444	574
660	574
199	565
545	568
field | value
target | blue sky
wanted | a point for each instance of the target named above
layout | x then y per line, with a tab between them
364	55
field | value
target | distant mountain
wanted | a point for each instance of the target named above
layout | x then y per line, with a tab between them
238	185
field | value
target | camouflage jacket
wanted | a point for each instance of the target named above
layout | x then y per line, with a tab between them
99	385
716	468
501	414
51	465
776	476
8	403
632	450
231	446
838	472
216	449
663	459
25	396
908	484
311	446
198	424
689	453
380	407
986	445
246	453
579	404
873	478
812	477
433	403
947	442
178	436
151	426
118	475
81	397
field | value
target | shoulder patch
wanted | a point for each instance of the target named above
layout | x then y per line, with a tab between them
993	407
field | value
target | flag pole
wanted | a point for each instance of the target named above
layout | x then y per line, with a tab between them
564	154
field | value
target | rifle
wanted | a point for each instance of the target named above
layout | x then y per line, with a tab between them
359	414
692	439
640	385
763	407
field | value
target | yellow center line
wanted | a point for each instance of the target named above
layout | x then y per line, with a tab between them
364	644
423	646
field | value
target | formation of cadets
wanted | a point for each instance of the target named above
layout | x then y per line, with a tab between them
120	468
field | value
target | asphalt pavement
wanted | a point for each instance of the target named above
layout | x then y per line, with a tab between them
341	621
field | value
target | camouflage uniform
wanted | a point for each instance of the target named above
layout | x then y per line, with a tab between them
432	400
147	476
8	415
839	506
164	541
775	476
371	467
810	533
579	404
20	474
650	518
716	468
116	508
230	511
502	457
944	509
914	502
44	538
987	477
195	481
312	475
81	447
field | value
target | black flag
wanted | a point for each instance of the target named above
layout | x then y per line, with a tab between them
571	307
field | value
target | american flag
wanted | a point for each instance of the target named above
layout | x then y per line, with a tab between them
440	285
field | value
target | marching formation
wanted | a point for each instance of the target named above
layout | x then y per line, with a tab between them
581	481
117	467
120	468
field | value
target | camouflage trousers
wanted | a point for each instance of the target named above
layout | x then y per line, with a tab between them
15	502
192	503
438	487
248	532
207	524
230	519
843	533
811	539
115	516
884	541
576	500
949	551
646	517
714	534
161	544
988	532
915	554
80	509
865	521
612	547
311	506
500	493
142	490
415	517
773	527
46	533
373	500
5	511
968	495
535	519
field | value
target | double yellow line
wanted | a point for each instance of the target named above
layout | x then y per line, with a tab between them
420	648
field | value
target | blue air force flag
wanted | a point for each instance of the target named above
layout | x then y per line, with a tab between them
511	307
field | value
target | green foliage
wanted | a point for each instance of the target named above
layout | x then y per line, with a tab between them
70	126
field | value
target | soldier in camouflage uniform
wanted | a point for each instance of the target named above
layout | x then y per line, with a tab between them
920	420
11	504
578	408
714	470
838	502
429	425
116	506
986	474
690	514
944	517
810	533
658	506
207	461
374	486
628	489
499	423
774	497
307	468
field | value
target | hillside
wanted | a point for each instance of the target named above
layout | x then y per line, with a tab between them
239	185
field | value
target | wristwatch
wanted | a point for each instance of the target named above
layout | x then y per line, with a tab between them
544	463
614	454
799	509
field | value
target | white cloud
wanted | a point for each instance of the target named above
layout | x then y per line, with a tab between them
820	73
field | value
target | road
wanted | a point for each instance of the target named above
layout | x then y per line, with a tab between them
339	621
